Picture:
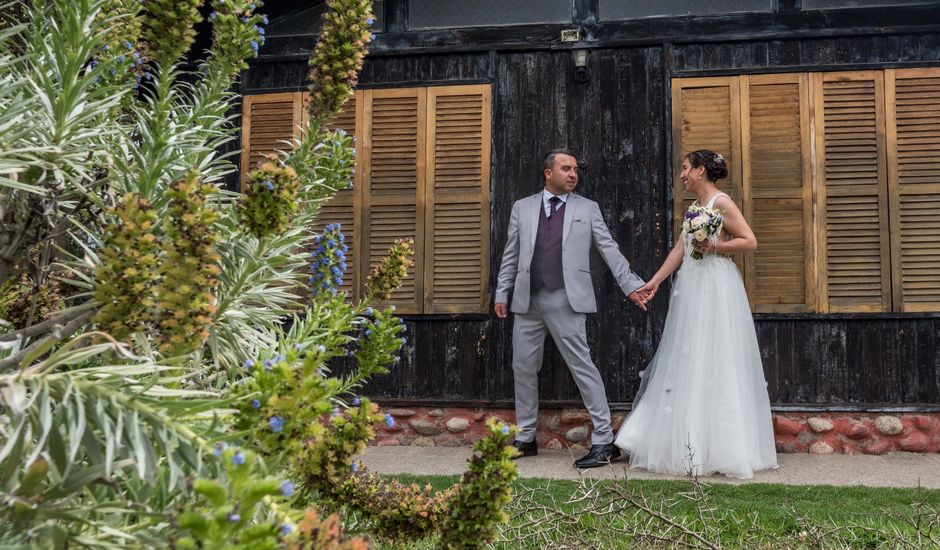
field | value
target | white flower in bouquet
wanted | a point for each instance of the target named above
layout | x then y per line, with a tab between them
700	224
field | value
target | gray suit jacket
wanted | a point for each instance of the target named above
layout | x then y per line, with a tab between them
584	225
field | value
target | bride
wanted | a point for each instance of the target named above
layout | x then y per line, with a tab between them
702	404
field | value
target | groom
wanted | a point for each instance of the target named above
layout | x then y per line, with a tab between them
545	264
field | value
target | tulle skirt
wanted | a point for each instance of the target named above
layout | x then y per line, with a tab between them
703	405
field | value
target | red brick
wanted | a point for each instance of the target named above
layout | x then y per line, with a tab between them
877	447
858	431
922	422
915	443
785	426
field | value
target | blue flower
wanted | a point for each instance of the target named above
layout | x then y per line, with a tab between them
368	332
389	420
255	404
276	423
264	19
370	20
260	30
404	340
345	248
321	348
355	467
298	347
212	16
337	253
238	458
368	311
287	488
342	266
505	429
335	411
268	185
248	363
331	243
254	46
286	529
281	358
234	518
316	239
113	71
219	447
268	364
356	401
121	58
105	47
372	36
335	271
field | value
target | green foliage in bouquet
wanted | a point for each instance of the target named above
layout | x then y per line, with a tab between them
190	267
169	29
271	199
335	64
128	272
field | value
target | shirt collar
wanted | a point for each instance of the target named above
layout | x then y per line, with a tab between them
547	195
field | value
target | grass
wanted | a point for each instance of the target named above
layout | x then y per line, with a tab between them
745	515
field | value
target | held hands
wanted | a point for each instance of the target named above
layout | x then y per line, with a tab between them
705	247
644	294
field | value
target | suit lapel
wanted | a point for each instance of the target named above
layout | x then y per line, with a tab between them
536	204
570	207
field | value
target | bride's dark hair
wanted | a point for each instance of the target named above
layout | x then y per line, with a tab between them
715	165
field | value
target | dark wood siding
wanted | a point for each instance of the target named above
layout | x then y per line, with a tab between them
619	123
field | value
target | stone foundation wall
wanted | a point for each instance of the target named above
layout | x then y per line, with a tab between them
823	433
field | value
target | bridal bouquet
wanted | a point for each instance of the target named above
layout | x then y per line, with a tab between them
700	224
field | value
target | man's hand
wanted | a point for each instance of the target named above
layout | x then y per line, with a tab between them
639	298
500	310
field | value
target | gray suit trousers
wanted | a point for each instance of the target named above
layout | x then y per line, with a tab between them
550	309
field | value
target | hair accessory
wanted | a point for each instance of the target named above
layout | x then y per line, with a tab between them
718	157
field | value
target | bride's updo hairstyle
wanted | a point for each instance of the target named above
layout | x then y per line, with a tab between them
715	165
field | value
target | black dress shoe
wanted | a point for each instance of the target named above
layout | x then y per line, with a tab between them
599	455
525	448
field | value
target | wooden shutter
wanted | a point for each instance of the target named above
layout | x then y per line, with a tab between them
456	262
778	194
853	255
269	123
913	134
706	115
392	183
341	208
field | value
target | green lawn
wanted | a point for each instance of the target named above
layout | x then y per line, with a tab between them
598	514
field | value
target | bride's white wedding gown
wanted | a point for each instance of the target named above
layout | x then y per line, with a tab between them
703	404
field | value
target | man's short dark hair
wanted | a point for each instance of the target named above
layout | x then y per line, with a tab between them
549	161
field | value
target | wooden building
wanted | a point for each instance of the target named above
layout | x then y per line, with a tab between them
828	112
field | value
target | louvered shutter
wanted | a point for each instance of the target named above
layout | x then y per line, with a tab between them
706	115
341	208
392	183
913	134
778	194
269	123
853	256
456	260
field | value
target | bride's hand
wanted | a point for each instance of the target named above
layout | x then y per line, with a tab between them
650	288
704	247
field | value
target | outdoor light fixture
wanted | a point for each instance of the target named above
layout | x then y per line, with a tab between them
581	72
